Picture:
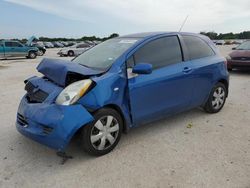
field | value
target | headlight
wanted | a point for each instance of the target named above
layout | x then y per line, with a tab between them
228	57
73	92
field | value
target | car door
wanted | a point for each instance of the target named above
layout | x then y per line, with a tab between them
1	50
14	49
202	63
166	90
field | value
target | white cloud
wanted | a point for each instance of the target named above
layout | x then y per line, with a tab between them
148	14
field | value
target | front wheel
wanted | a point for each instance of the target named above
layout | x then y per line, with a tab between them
216	98
40	52
32	55
103	134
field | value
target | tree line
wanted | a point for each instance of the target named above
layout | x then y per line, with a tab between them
224	36
84	38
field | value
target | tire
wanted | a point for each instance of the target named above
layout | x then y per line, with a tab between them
40	52
32	55
71	53
217	98
100	137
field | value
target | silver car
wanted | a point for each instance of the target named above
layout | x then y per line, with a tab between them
74	50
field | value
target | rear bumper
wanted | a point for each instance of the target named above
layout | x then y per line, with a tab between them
50	124
237	64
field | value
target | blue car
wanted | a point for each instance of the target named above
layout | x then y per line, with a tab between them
121	83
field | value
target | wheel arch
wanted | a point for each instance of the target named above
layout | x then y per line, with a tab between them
112	106
225	82
119	110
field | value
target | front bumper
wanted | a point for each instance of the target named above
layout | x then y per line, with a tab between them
50	124
238	64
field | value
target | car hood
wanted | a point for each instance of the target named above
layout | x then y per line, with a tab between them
30	40
240	53
62	72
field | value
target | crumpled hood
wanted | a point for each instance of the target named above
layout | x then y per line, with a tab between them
57	70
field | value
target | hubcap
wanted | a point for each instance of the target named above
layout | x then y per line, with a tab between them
104	133
218	98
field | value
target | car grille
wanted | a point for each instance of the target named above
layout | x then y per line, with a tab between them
241	58
35	95
47	130
22	120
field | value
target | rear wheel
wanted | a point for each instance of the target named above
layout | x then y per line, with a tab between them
103	134
216	98
70	53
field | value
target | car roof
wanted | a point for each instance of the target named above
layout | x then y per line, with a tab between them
153	34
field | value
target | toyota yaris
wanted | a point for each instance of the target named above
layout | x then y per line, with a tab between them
119	84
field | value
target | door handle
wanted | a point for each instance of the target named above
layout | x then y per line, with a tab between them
187	70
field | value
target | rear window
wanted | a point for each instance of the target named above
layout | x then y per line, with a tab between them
197	48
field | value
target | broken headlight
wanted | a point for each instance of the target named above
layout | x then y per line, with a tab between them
73	92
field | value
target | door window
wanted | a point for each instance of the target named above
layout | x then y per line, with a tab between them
82	46
160	52
13	44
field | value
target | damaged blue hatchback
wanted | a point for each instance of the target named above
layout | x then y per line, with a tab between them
121	83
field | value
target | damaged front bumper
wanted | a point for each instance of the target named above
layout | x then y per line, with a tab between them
51	124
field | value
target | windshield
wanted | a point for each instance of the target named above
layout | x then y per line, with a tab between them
244	46
104	55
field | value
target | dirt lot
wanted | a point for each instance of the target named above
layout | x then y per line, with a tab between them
214	152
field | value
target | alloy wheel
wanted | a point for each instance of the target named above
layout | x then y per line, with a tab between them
218	98
104	132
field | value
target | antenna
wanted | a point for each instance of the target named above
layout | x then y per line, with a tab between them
183	23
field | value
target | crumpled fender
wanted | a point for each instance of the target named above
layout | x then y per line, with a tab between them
64	120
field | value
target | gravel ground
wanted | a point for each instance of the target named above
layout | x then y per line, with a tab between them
213	152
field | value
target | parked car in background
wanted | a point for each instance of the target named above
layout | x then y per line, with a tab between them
240	57
121	83
58	44
220	42
74	50
66	44
10	48
41	48
97	42
48	45
33	42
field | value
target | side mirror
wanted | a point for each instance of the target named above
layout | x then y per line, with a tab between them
234	48
142	68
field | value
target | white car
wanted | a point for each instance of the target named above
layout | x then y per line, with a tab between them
74	50
220	42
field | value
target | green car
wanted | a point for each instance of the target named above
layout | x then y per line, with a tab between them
10	48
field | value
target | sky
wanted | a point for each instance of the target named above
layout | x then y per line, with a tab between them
77	18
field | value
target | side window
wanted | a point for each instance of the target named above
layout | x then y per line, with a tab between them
197	48
16	44
13	44
8	44
82	46
130	62
160	52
